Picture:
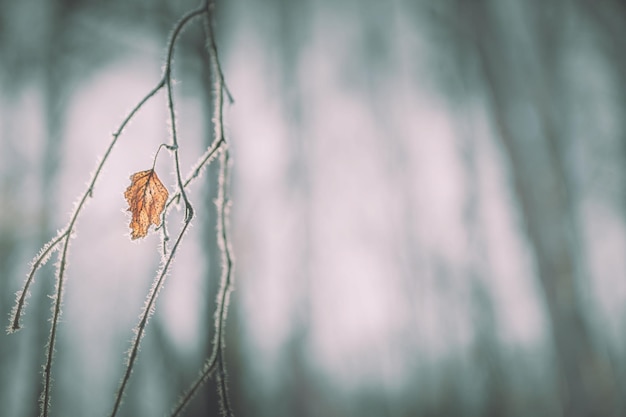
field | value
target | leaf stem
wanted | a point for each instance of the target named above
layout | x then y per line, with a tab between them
156	155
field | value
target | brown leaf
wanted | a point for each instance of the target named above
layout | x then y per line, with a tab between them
146	198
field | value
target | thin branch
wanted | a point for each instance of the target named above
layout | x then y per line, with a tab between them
40	260
212	45
58	298
220	84
172	115
65	235
216	146
226	281
45	396
51	246
170	104
222	386
216	359
204	161
148	310
189	213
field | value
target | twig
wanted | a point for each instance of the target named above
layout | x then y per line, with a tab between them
160	278
47	250
40	260
220	139
65	235
51	246
222	386
226	283
209	5
216	358
148	310
58	298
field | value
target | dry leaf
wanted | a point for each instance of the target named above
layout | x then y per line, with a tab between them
146	198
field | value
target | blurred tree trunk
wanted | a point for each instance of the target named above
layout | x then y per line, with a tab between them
10	242
293	27
487	352
515	84
609	21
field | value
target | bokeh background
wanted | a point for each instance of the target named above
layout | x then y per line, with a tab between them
429	205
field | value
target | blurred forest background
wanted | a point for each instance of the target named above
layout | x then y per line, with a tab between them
429	205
